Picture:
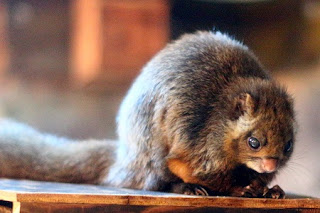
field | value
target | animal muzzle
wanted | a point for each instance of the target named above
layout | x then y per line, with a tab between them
269	164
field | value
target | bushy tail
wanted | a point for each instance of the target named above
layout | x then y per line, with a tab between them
26	153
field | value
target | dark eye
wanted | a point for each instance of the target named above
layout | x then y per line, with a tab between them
254	143
288	146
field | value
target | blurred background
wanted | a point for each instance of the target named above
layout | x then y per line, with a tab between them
65	65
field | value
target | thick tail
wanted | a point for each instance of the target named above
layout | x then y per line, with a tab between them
26	153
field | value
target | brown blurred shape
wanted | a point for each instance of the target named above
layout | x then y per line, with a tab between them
111	40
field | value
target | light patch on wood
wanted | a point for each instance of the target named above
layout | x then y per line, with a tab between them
16	207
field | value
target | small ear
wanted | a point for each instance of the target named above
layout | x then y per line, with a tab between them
243	104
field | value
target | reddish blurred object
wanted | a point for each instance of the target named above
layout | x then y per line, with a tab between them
111	40
4	49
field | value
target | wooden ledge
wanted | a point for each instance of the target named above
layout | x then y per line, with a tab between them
24	193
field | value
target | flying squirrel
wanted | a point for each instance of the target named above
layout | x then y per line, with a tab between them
202	118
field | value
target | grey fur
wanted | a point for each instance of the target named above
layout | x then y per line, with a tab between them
186	105
26	153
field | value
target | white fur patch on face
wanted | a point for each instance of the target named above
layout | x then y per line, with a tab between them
264	165
255	165
244	124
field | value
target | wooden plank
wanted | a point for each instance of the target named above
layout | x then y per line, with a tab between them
16	207
40	207
60	193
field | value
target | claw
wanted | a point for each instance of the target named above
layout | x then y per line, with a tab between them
189	189
275	192
201	191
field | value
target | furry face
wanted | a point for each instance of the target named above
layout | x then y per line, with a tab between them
262	137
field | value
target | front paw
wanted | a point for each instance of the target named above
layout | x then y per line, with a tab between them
189	189
275	192
254	191
248	191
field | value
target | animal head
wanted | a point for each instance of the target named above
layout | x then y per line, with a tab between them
261	127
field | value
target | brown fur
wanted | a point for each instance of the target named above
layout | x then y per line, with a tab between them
191	111
184	124
182	170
